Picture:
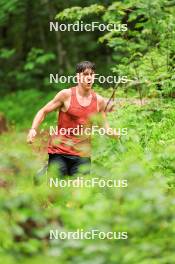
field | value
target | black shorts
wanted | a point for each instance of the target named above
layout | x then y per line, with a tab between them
69	164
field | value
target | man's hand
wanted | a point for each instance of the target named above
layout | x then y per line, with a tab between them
31	135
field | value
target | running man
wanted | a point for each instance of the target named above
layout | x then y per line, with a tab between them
76	106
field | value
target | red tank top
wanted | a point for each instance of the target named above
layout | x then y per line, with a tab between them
67	141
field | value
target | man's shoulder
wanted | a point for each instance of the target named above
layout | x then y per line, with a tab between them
65	93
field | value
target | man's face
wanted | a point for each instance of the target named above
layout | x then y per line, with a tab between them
86	78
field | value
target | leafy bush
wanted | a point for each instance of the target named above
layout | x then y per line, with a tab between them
145	157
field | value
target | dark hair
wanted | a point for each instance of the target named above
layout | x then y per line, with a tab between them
83	65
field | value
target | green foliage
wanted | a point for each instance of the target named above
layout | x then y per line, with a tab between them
145	157
6	53
21	107
36	58
76	13
8	8
145	52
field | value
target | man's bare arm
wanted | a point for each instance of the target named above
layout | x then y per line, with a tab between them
54	104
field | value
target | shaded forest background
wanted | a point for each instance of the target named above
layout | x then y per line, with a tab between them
29	52
145	157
